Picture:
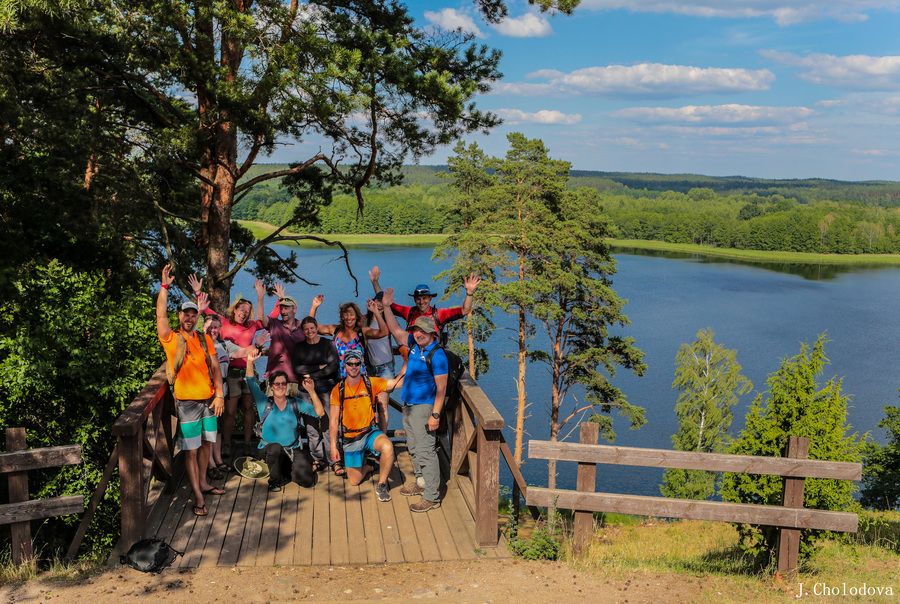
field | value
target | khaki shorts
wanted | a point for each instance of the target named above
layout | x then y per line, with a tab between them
236	383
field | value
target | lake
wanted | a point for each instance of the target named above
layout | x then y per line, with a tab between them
764	312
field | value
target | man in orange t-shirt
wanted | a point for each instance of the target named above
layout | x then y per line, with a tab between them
360	430
197	389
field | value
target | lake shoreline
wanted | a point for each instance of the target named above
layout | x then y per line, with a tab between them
261	229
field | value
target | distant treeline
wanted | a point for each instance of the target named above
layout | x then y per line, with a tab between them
733	218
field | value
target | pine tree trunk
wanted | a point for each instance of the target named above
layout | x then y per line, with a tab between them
520	386
470	335
555	401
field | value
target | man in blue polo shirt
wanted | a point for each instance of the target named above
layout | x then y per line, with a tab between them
423	399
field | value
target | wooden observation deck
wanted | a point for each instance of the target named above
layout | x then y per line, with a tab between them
331	523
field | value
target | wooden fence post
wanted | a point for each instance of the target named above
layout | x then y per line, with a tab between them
487	487
22	550
789	539
586	481
131	481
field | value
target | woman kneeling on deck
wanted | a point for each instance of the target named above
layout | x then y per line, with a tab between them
280	427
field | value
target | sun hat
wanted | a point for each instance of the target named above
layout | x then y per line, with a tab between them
248	467
422	289
287	301
426	324
189	306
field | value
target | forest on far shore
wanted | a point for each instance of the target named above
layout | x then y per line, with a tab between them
810	215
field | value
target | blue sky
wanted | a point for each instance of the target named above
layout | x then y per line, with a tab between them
765	88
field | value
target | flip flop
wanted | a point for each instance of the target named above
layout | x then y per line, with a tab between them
200	510
214	491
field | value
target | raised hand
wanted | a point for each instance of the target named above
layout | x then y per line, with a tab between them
202	301
318	300
471	282
279	291
308	384
372	306
252	355
260	288
374	273
167	276
195	283
262	339
388	298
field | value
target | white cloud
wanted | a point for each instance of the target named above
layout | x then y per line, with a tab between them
722	115
529	25
783	12
854	72
451	19
648	80
870	152
544	116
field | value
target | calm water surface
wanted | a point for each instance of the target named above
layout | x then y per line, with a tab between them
763	312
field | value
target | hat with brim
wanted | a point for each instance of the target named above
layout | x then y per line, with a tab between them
287	301
248	467
189	306
422	289
426	324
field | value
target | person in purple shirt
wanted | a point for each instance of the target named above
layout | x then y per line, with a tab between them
286	333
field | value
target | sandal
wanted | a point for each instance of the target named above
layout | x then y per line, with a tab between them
214	491
200	510
338	469
318	466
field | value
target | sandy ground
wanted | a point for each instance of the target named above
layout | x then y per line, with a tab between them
481	580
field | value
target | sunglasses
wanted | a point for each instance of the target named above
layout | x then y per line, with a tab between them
279	384
353	364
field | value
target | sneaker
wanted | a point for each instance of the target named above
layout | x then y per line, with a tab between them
424	506
411	490
420	481
383	492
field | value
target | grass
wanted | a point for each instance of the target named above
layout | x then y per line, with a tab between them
708	551
54	569
261	229
758	255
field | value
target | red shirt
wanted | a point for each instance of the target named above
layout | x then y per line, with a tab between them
411	313
242	335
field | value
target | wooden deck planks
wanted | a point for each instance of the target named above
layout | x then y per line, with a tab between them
332	523
220	520
337	507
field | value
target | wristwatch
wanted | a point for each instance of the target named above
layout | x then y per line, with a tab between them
435	415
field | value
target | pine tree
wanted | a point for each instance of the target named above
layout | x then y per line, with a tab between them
795	405
881	467
710	380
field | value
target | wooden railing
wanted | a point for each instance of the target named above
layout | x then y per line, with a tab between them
20	511
476	445
145	452
790	517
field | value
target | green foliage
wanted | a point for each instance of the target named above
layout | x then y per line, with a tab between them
73	353
710	381
544	542
795	405
881	466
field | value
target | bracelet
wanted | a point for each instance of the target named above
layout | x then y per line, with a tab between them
164	285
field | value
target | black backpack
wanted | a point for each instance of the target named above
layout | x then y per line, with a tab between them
150	555
455	370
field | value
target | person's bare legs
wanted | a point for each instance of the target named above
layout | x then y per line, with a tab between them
192	466
228	419
385	448
247	406
202	465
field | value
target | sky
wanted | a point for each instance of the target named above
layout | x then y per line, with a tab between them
763	88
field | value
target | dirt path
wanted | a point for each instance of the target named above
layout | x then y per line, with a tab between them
474	581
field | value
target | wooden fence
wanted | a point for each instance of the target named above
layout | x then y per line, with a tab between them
790	517
20	511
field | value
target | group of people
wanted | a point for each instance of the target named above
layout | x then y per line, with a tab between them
324	401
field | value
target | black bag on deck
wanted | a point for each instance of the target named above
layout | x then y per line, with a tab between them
150	555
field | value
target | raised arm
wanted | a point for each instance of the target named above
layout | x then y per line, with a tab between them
371	332
197	288
163	329
260	288
374	275
398	332
310	387
471	283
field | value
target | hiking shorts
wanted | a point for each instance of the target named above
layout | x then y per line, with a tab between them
196	423
236	384
355	451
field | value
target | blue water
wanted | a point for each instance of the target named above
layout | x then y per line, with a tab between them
762	313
